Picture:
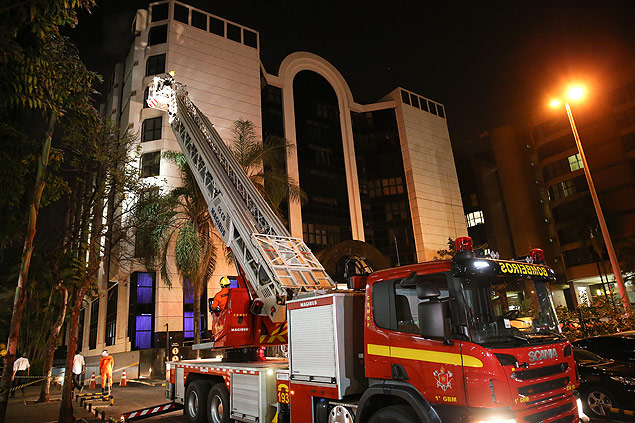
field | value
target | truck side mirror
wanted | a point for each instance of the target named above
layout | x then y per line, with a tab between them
432	321
427	291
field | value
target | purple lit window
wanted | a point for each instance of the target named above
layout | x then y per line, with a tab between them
143	338
188	324
144	288
188	293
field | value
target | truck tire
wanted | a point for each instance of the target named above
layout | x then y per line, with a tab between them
218	404
394	414
196	401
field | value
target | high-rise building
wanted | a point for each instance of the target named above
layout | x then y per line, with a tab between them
379	178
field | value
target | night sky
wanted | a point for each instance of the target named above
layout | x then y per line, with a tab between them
482	59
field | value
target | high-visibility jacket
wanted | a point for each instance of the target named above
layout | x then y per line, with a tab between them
220	299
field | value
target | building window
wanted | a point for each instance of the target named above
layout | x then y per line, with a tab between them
146	93
622	95
567	188
414	100
629	141
233	32
158	35
388	186
474	218
424	104
141	308
216	26
80	329
579	256
94	319
150	164
111	314
151	129
625	118
199	20
405	97
159	12
181	13
250	38
433	107
155	64
473	200
575	162
396	211
441	110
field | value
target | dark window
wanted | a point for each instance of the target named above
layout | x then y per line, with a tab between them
381	303
216	26
549	127
556	146
151	129
111	315
625	118
146	93
441	110
94	319
141	309
405	97
155	64
181	13
150	164
629	141
567	188
579	256
158	35
159	12
250	38
233	32
414	100
424	104
433	107
199	20
80	329
622	95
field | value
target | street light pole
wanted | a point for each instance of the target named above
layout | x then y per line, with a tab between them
615	265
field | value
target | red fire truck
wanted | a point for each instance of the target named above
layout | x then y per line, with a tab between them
471	339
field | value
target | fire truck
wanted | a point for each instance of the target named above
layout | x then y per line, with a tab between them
470	339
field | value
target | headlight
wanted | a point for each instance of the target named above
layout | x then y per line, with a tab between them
624	380
580	410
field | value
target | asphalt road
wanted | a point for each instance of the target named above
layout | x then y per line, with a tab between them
132	397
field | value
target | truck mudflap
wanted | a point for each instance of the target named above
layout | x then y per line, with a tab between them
145	413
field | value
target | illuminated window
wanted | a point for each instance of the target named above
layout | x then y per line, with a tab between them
388	186
474	218
575	162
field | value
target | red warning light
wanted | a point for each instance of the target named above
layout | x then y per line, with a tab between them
463	243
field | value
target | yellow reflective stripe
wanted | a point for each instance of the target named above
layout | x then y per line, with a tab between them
424	355
383	350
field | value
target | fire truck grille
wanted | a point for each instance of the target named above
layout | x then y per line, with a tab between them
540	372
539	388
544	415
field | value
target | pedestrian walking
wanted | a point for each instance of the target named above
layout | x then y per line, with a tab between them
79	367
21	368
106	362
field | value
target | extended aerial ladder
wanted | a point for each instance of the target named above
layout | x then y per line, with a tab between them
275	265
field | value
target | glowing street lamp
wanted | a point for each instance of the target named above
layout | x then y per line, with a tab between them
576	93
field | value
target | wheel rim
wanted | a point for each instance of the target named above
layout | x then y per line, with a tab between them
192	404
597	400
216	409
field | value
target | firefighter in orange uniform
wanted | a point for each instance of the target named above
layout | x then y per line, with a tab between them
106	362
221	297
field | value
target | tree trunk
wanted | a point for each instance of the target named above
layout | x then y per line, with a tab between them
197	317
50	350
20	291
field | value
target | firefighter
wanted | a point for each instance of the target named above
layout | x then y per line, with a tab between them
105	366
221	297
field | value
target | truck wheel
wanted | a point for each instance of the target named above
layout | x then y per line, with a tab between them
196	401
394	414
218	404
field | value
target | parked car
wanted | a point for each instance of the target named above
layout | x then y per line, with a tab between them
619	346
604	382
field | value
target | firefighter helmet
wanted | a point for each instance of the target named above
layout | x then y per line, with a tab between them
224	282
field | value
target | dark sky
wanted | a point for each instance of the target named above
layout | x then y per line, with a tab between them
482	59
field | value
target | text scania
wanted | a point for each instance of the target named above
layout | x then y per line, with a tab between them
543	354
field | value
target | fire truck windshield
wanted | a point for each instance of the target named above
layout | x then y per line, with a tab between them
508	311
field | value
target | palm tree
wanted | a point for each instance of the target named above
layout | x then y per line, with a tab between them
181	216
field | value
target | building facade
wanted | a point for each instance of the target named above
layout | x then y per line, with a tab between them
528	181
381	174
